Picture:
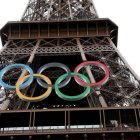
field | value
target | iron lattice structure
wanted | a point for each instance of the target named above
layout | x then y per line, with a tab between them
56	10
70	32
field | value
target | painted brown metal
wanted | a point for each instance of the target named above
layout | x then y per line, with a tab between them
67	29
57	30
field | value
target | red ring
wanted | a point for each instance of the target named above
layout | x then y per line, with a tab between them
101	65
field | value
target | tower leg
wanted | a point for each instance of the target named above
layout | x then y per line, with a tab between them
101	99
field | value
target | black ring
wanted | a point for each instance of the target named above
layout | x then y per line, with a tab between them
55	64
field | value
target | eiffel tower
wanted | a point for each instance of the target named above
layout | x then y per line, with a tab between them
68	32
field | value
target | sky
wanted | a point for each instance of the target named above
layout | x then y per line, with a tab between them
125	13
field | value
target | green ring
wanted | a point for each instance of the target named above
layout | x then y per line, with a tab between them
72	98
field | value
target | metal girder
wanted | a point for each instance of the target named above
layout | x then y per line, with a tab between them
56	10
122	88
33	122
62	29
69	32
122	84
91	77
57	50
58	24
6	103
57	46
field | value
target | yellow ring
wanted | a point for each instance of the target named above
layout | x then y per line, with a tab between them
33	99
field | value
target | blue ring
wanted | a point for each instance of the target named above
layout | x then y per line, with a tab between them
9	67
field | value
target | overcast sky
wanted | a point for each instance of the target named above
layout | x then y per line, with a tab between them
125	13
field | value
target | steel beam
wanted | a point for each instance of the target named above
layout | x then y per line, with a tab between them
30	60
101	99
123	59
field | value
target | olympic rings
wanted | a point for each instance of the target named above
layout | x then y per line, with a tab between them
9	67
102	66
49	65
62	81
33	99
76	97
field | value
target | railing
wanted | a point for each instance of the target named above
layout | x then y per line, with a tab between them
70	120
61	129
